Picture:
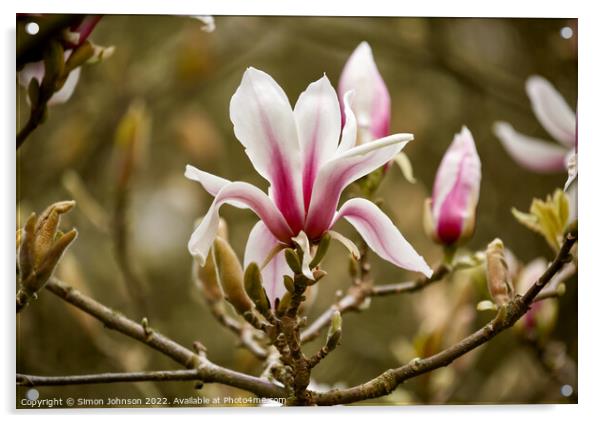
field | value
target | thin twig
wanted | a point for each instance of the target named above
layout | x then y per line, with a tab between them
208	372
244	331
359	292
386	383
94	379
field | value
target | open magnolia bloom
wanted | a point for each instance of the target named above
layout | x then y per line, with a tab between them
299	154
556	117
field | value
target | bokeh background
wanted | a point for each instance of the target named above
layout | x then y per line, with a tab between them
441	74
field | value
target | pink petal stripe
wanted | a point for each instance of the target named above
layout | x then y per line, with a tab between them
265	125
339	172
381	235
456	208
237	192
259	245
531	153
457	187
552	110
372	104
318	120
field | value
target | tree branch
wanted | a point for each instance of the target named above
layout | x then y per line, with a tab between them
207	371
386	383
359	292
154	376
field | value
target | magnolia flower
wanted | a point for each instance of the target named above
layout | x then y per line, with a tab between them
556	117
74	37
372	103
35	70
450	213
298	152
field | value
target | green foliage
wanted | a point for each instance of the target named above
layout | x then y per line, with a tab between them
548	217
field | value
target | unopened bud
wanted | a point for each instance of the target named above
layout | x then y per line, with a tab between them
292	260
289	283
222	228
54	65
41	246
335	330
254	287
46	227
207	280
231	276
320	251
131	138
450	218
497	273
285	301
79	56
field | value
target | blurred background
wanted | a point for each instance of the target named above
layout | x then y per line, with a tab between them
441	74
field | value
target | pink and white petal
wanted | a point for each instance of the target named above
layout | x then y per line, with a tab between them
531	153
211	183
381	235
349	133
235	193
457	186
64	94
265	125
339	172
552	110
260	244
372	104
318	118
31	71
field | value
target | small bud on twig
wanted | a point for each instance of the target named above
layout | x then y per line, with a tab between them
207	280
41	246
292	260
254	287
320	251
231	276
335	330
497	273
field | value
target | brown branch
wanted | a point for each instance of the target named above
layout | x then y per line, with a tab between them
154	376
244	331
207	371
386	383
359	292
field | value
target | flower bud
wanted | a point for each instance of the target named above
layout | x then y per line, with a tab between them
254	287
335	330
449	217
231	276
498	282
320	251
41	246
131	139
207	280
372	103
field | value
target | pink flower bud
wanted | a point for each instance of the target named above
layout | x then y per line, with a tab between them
450	216
371	102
